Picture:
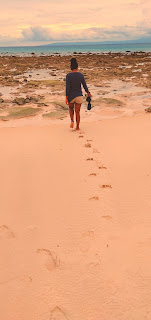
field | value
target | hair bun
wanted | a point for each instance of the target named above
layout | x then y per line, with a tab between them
74	64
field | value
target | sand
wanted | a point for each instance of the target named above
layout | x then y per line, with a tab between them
75	221
75	226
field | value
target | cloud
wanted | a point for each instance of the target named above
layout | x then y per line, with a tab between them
37	34
42	34
30	22
47	34
68	33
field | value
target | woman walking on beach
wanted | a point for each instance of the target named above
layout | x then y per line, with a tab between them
74	96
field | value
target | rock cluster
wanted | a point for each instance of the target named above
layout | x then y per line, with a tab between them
21	101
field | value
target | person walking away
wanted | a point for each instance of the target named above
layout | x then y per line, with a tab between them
74	96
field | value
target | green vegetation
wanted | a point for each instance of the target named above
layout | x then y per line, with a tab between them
55	114
110	102
46	83
61	105
20	112
60	112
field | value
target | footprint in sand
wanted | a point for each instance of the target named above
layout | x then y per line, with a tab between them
102	167
32	228
107	217
48	258
90	159
6	232
92	174
104	186
58	314
89	140
96	151
86	241
95	263
94	198
26	280
88	145
81	136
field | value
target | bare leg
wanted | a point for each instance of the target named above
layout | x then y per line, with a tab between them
71	112
77	111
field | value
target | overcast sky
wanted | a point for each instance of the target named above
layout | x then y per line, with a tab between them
34	22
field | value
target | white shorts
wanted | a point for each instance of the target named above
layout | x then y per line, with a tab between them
78	100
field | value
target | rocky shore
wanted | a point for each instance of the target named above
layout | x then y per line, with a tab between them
38	83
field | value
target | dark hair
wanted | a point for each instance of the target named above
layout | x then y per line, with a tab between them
74	64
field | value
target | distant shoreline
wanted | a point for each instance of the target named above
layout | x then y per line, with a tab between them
70	49
108	43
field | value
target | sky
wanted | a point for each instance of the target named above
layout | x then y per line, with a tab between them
37	22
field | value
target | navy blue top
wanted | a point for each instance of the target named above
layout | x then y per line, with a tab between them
73	85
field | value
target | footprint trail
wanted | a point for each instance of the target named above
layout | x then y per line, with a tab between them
48	259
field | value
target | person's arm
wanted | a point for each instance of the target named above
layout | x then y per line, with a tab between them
67	88
85	86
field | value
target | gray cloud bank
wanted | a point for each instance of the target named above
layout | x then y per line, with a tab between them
41	35
95	33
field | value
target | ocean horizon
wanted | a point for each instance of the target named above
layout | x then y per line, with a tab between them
67	49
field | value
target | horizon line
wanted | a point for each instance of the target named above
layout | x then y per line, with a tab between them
80	42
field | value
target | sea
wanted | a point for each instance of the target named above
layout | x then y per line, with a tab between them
68	49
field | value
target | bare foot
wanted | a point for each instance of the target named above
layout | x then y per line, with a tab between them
72	125
77	129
